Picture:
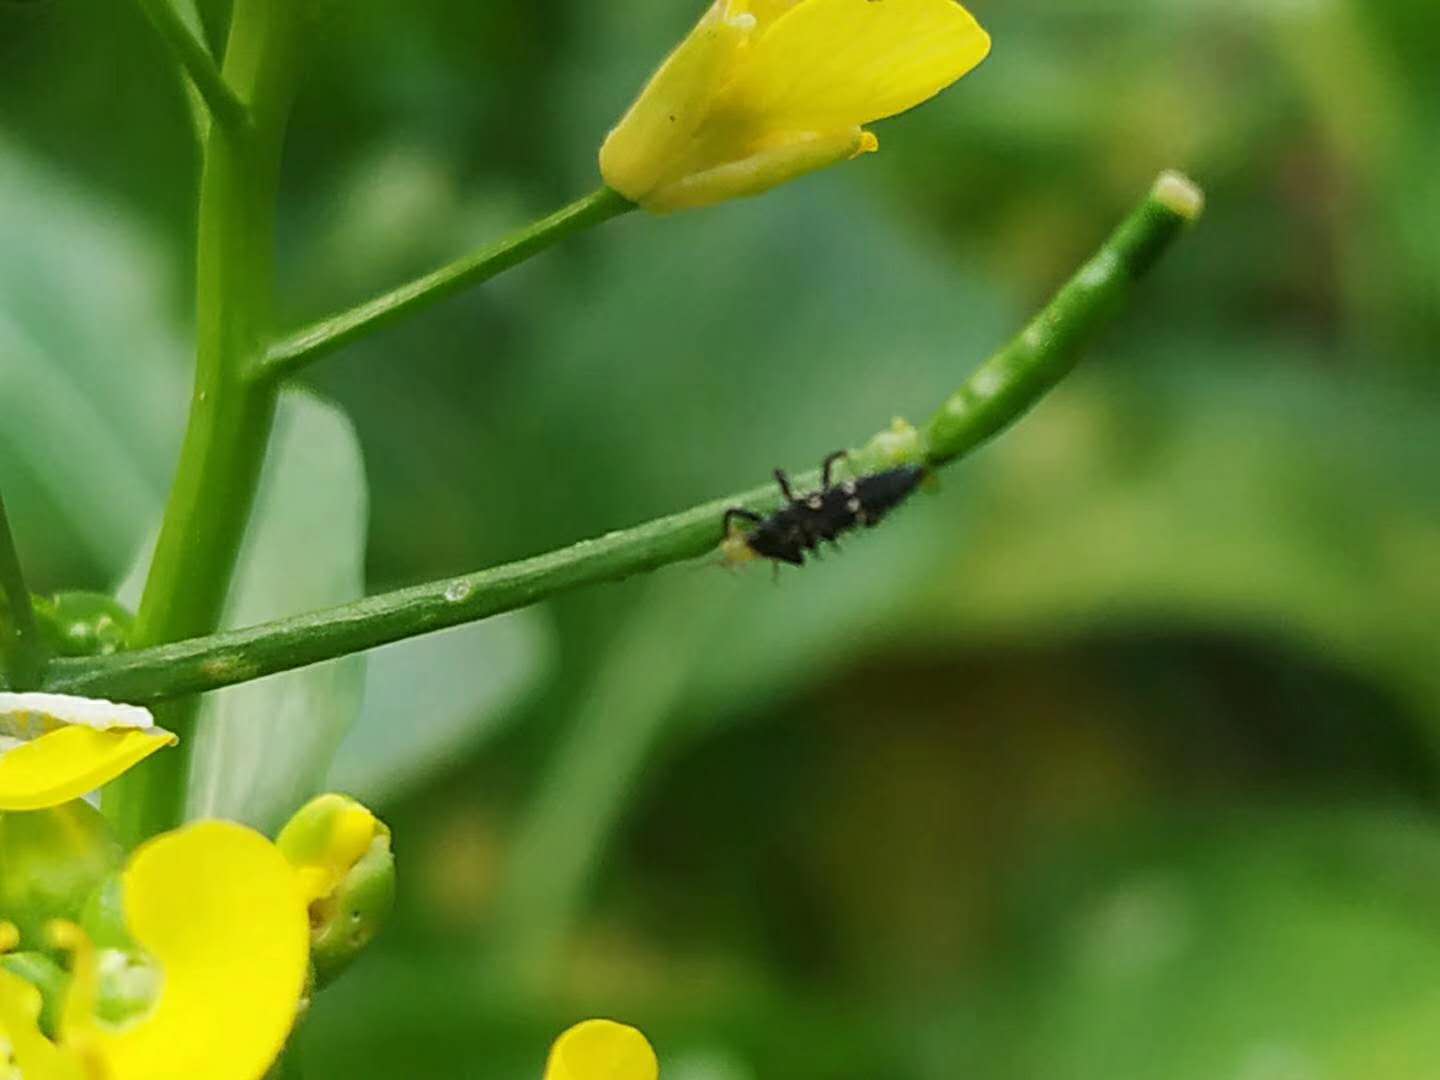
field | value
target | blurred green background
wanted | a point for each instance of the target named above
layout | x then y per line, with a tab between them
1115	757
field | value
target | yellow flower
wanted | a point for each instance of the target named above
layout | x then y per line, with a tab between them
222	914
602	1050
763	91
21	1044
54	748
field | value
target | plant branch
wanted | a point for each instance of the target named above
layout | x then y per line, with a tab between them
224	104
230	417
1020	374
20	644
288	356
999	393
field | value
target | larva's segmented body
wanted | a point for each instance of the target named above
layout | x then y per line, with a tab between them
807	521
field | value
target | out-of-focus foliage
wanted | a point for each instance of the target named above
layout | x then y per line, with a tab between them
1113	757
263	742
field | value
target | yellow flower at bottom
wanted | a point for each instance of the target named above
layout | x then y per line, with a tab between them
219	909
602	1050
55	748
763	91
220	912
20	1028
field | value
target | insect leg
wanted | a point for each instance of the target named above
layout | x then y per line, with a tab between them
829	464
784	482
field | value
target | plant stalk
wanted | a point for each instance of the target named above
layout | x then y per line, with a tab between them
999	393
1025	370
20	644
230	415
290	355
223	103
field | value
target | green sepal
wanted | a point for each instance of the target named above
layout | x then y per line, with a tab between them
342	854
103	916
344	924
51	861
129	983
129	986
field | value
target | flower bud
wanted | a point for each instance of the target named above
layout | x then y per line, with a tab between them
347	873
50	862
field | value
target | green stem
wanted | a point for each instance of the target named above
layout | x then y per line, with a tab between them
996	396
224	104
20	644
1022	373
293	353
230	414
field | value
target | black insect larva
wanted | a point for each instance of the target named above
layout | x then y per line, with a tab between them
805	521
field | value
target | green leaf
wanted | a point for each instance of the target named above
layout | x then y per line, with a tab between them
265	747
90	367
430	699
53	859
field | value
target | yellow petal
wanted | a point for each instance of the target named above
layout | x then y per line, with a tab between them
780	161
829	64
765	11
20	1005
218	908
324	841
652	139
78	1011
602	1050
32	714
70	762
